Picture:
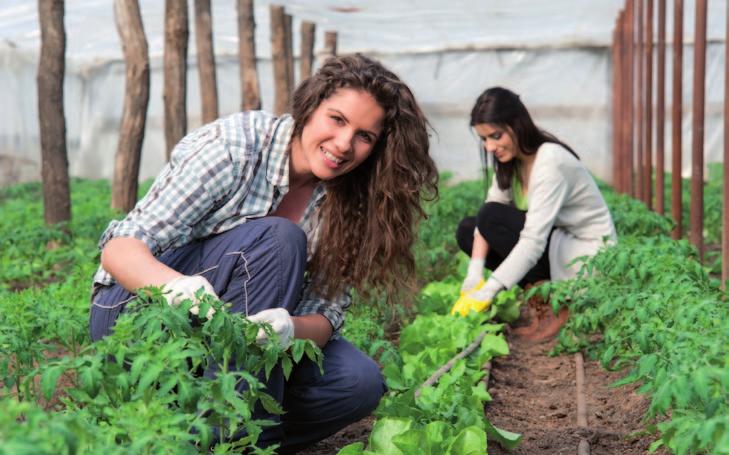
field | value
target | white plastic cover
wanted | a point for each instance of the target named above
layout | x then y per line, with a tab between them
555	54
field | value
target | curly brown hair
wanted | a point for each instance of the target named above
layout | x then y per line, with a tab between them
369	215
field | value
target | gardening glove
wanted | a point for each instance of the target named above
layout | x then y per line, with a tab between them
474	276
184	287
478	300
281	323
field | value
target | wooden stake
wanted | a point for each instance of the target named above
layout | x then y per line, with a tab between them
51	69
697	127
280	70
206	60
308	32
330	44
289	25
136	99
250	91
175	72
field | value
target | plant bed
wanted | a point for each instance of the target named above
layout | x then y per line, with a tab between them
534	394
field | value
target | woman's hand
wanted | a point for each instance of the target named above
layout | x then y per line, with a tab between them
186	287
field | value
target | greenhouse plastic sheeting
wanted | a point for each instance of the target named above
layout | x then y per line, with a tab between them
555	54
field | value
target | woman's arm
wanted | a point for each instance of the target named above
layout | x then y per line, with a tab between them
133	266
313	327
480	247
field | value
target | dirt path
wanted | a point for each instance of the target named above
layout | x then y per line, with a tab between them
534	394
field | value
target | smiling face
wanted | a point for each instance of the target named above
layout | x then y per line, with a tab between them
340	134
499	141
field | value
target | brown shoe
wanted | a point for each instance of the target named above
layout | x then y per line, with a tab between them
549	324
528	321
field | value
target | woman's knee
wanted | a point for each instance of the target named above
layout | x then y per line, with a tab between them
489	212
290	236
368	387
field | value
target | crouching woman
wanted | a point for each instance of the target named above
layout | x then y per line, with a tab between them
281	217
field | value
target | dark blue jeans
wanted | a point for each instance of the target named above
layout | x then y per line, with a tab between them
256	266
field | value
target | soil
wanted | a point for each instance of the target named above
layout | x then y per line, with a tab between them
358	431
535	395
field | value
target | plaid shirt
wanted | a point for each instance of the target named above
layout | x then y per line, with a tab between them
220	176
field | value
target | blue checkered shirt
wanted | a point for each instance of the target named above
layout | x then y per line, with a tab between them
219	176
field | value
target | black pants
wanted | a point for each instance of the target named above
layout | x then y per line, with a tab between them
500	225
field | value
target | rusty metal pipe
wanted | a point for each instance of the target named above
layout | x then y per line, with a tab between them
697	136
676	119
661	109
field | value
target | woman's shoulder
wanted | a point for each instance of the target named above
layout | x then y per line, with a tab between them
552	150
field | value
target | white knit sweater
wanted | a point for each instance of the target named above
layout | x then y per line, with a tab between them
563	194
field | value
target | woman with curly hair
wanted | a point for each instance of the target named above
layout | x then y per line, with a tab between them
281	217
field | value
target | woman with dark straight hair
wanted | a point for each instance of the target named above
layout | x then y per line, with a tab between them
281	217
543	208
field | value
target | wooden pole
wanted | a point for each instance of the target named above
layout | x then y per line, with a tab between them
725	200
136	99
278	51
249	87
330	44
661	110
206	60
676	119
289	29
175	72
308	32
51	69
697	127
629	95
648	152
640	95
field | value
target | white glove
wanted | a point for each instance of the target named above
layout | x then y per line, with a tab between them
488	291
474	275
184	287
280	321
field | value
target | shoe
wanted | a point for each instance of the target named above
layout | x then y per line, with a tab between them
549	324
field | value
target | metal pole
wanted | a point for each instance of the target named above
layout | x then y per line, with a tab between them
616	136
640	94
697	127
661	109
648	152
725	200
676	117
628	96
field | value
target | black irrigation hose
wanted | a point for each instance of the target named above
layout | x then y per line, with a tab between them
444	369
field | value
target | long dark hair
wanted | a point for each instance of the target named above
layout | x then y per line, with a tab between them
369	215
503	108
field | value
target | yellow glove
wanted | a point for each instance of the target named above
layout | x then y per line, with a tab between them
478	286
465	304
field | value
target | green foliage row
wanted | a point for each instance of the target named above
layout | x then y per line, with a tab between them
142	388
446	418
661	316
